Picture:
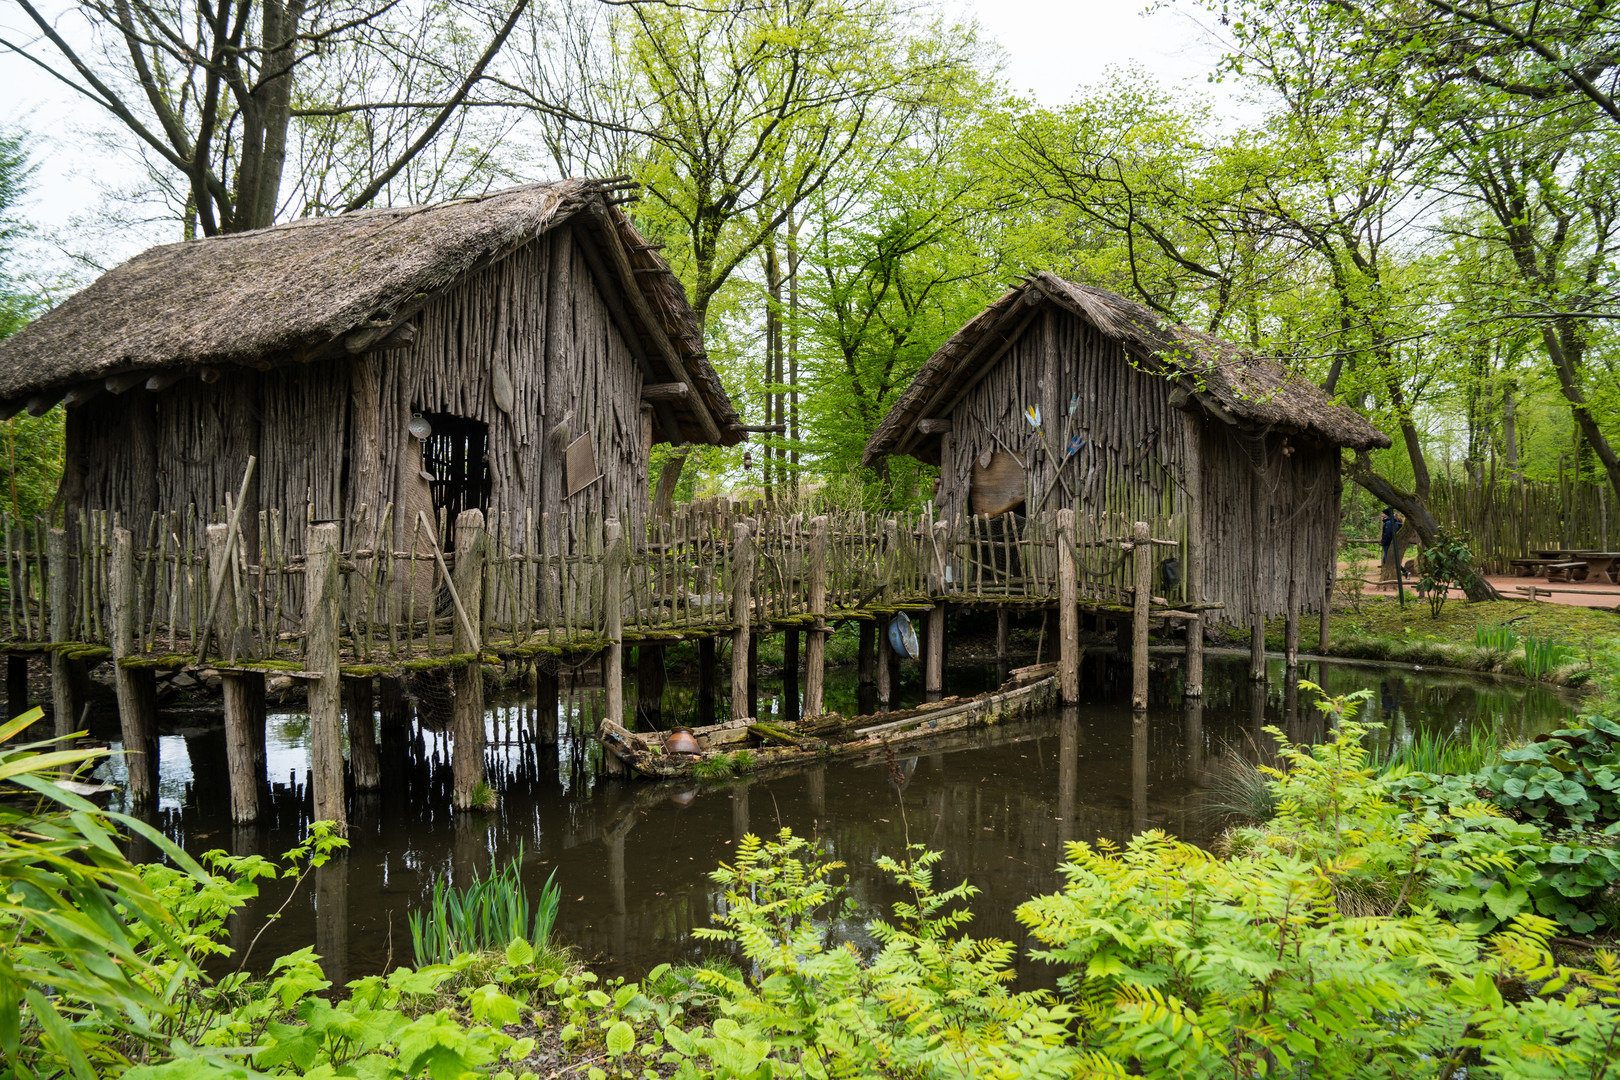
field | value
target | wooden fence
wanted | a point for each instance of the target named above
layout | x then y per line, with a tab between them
231	590
1509	519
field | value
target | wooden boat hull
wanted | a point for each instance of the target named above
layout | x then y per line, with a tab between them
644	756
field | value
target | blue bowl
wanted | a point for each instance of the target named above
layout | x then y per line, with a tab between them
902	637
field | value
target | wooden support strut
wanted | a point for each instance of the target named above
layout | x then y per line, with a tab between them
59	589
1193	573
815	665
613	601
321	587
243	693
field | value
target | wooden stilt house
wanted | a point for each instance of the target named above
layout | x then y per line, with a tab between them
1062	394
520	350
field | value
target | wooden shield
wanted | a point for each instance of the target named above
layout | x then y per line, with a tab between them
997	487
580	464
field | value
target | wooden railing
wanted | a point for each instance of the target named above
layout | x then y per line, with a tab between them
199	590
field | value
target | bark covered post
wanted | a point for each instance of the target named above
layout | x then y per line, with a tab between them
934	673
1142	553
321	658
742	606
866	656
885	662
815	664
137	691
1291	626
243	694
649	686
790	675
467	711
1193	572
1003	633
613	603
360	704
1068	610
59	590
1257	645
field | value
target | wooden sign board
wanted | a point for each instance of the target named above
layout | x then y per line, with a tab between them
579	465
997	487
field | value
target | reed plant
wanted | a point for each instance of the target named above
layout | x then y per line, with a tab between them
1498	637
1544	654
1442	753
488	914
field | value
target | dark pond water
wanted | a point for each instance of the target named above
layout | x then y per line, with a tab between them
633	858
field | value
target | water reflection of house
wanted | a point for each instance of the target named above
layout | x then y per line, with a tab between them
518	350
1062	394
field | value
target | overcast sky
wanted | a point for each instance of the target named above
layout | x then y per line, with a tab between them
1051	47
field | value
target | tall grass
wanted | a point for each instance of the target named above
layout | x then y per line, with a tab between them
1238	791
488	914
1442	752
1542	655
1498	637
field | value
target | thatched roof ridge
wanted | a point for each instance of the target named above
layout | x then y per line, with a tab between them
294	292
1253	391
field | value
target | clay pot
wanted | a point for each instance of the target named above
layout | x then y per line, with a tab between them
680	741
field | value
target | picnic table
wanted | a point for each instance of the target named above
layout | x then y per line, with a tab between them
1599	564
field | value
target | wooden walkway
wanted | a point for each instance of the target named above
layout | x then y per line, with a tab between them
339	603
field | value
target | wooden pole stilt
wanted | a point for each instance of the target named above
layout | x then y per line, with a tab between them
364	759
1003	634
1291	628
742	609
706	681
1068	610
545	705
1257	646
16	684
613	602
1193	570
325	690
467	710
395	713
244	745
58	589
815	665
935	676
649	687
790	676
137	692
866	655
885	664
1142	553
753	675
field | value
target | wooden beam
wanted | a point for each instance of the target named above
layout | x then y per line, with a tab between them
117	384
209	375
934	425
165	379
81	394
396	335
44	401
649	319
672	391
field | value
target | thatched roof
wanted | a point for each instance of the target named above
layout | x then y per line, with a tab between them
1223	378
304	291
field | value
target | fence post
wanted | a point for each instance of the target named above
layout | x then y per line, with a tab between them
934	676
742	604
1068	611
613	605
815	661
467	711
59	588
321	658
1142	554
137	690
1291	626
243	694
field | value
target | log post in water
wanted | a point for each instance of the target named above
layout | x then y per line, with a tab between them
545	704
790	675
1193	572
753	674
815	665
706	680
1068	610
1291	626
359	703
613	629
742	580
16	684
243	694
1142	552
1257	646
649	686
58	588
467	711
137	690
866	655
934	674
244	745
325	690
395	711
1003	633
885	663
